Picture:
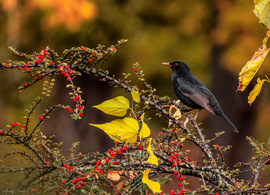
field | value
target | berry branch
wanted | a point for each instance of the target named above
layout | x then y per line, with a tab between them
126	164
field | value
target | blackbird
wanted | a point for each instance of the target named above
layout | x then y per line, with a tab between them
193	93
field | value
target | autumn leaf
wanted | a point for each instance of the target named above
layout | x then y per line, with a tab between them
154	186
135	95
113	175
177	114
121	130
256	91
152	158
262	10
252	66
145	131
117	106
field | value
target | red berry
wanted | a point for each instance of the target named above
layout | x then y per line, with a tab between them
41	117
120	152
46	163
135	69
62	181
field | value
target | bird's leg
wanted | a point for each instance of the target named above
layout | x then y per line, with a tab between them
197	114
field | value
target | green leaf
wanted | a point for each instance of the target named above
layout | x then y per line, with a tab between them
117	106
262	11
121	130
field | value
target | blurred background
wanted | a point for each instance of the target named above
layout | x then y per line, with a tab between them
215	38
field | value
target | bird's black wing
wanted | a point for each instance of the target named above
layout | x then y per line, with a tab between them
193	89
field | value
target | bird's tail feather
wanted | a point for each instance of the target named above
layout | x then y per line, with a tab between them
229	122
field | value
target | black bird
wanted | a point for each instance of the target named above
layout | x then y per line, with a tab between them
192	92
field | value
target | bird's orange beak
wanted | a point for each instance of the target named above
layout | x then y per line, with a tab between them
166	64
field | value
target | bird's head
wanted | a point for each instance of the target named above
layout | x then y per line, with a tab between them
177	66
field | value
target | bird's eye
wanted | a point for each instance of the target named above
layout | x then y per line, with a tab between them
175	65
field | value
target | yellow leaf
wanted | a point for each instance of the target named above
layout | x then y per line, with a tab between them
145	131
135	95
121	130
142	116
262	9
117	106
177	115
256	91
152	158
252	66
154	186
